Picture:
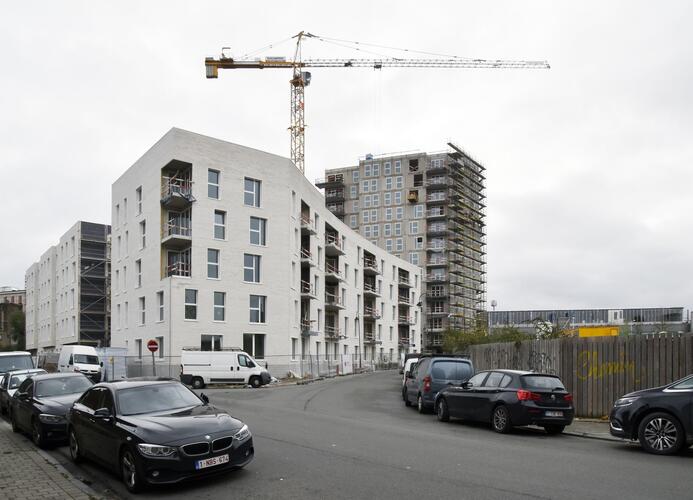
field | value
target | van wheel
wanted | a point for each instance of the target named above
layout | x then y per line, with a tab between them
198	383
255	382
420	404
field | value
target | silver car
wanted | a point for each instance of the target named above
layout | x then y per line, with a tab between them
9	383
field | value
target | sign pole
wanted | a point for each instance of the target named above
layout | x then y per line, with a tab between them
153	346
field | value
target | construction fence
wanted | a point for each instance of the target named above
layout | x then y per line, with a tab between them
597	370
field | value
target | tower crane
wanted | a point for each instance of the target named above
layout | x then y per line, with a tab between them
301	79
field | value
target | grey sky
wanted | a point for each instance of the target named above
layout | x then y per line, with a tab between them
589	164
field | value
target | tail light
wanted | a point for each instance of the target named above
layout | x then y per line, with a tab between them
568	398
427	383
523	395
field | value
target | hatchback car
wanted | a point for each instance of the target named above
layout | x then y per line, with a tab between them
661	419
508	398
430	375
156	432
41	402
9	383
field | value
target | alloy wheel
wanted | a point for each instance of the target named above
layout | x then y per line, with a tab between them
74	447
501	419
129	471
661	434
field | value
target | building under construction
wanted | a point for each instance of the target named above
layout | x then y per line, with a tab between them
428	208
68	290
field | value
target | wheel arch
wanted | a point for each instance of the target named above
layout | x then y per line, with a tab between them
637	421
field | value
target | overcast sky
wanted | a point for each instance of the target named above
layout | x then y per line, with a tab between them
589	164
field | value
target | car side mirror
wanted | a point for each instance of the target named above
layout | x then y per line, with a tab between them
101	364
466	385
103	413
204	398
23	396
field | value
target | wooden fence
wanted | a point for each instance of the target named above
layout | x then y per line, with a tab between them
597	370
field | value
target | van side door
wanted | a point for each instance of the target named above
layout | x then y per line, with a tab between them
245	368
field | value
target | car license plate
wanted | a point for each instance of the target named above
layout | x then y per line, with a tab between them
554	413
211	462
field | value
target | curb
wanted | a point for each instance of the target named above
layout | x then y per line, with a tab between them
600	437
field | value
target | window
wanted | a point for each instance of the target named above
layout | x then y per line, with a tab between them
251	193
219	305
388	183
364	186
367	201
142	310
374	185
366	216
160	341
138	348
355	176
138	273
367	231
398	228
387	199
399	182
257	231
353	191
160	302
127	243
374	216
355	206
398	167
387	230
419	243
211	342
376	170
353	221
254	344
414	258
294	342
251	268
117	214
143	234
375	199
367	170
212	263
257	308
213	184
399	213
398	197
375	231
399	245
190	303
388	245
418	211
138	199
219	225
387	168
414	227
388	214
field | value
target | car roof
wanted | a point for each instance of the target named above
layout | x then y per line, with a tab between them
26	371
14	353
518	372
129	383
47	376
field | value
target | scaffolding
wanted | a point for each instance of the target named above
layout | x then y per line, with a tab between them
94	284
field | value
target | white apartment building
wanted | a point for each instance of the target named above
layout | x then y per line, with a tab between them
66	291
217	245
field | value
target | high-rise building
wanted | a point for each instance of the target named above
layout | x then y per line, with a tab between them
217	245
67	299
427	208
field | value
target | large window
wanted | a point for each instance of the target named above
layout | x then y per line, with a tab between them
212	263
219	306
219	225
138	199
160	301
354	176
251	268
143	234
254	344
142	310
213	184
190	303
138	273
251	193
211	342
258	228
257	308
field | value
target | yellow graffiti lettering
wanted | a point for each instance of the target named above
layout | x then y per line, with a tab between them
590	367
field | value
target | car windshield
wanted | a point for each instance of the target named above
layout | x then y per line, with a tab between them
18	379
15	362
61	386
85	359
155	398
451	370
542	382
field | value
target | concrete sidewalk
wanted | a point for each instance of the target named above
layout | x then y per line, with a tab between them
27	473
591	428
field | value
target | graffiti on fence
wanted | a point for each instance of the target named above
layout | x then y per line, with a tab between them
591	367
542	362
500	357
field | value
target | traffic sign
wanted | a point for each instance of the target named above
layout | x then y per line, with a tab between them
153	345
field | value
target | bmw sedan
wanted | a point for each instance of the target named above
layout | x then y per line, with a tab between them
509	398
156	431
660	418
41	402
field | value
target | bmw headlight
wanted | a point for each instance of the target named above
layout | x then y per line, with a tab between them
625	402
156	451
243	434
47	418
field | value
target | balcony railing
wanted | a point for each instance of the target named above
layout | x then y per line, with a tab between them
432	213
403	281
173	228
307	288
371	312
333	299
436	277
403	299
332	332
371	265
306	220
333	270
370	288
405	320
176	191
178	269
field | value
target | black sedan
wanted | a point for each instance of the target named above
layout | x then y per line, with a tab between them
508	398
660	418
156	432
41	403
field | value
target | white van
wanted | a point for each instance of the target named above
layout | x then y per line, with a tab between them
80	358
15	360
232	366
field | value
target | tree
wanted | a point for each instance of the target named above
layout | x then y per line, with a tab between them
18	329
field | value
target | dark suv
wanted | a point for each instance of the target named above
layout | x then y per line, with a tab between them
432	373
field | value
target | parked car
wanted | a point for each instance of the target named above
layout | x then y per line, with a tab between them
80	358
405	358
661	419
156	432
508	398
233	366
41	402
9	383
15	360
431	374
407	367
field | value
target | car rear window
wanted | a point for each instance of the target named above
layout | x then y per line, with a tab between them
542	382
451	370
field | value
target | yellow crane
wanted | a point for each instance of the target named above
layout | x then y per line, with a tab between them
301	79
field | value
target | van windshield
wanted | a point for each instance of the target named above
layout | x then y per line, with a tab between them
15	362
451	370
85	359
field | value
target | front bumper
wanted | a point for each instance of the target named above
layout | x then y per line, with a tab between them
182	468
619	422
529	413
54	432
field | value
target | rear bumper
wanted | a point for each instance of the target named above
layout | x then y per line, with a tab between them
531	414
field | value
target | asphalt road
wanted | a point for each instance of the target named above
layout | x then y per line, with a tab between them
352	438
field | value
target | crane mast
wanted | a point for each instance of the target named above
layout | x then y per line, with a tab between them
301	79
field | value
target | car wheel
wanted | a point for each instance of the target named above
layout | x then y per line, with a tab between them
661	434
15	427
554	429
405	396
255	382
442	410
37	433
198	383
75	451
500	420
129	472
420	404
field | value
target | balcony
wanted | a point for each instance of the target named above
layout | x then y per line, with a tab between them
308	290
370	313
307	224
176	236
333	245
437	181
333	195
336	208
178	269
333	302
370	290
403	300
437	229
306	328
436	294
435	328
435	198
332	180
403	281
436	166
332	274
333	332
435	340
436	278
405	320
369	338
370	267
440	261
403	341
435	213
307	258
176	193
